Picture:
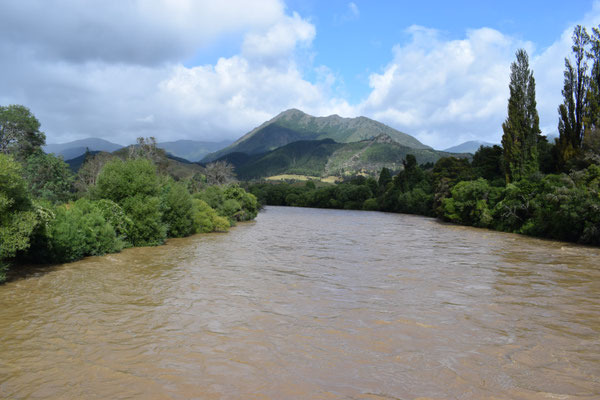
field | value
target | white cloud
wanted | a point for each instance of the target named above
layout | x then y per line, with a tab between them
448	91
279	41
445	91
117	96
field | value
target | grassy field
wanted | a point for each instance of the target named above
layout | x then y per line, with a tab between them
291	177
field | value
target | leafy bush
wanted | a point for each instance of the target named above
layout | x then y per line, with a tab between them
119	180
177	210
135	186
148	228
468	204
18	219
206	220
49	177
117	218
79	229
232	202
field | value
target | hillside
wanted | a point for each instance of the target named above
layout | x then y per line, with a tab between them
76	148
326	158
294	125
192	150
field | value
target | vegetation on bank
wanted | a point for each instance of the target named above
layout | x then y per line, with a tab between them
47	214
527	186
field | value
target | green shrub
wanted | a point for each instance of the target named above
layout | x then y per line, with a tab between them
117	218
18	219
206	220
147	227
119	180
370	205
231	202
78	230
177	209
468	204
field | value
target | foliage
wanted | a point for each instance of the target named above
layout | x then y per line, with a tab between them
19	132
488	163
135	186
117	218
522	126
148	227
177	209
49	177
18	218
231	202
80	229
571	112
119	180
206	220
470	203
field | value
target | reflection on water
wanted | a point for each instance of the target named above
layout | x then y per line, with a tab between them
308	303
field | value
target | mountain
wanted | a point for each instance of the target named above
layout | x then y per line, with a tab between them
76	148
192	150
468	147
327	157
294	125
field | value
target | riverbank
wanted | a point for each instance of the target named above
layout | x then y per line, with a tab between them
130	204
563	207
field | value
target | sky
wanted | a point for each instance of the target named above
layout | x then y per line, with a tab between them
206	70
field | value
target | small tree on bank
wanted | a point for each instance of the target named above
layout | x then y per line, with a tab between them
522	126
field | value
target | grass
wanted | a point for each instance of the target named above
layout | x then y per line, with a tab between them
292	177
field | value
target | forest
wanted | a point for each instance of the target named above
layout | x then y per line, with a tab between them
528	185
50	215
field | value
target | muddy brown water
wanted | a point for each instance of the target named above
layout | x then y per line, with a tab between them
311	304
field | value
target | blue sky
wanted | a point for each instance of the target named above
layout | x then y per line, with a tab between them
204	70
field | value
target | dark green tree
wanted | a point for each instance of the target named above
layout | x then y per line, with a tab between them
19	132
17	214
522	126
385	177
49	177
488	163
571	112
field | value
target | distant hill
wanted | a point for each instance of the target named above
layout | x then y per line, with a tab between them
192	150
76	148
327	157
294	125
468	147
176	167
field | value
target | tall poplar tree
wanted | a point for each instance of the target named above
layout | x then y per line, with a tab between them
522	126
575	89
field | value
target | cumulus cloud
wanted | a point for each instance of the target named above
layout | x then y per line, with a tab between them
448	91
124	76
445	91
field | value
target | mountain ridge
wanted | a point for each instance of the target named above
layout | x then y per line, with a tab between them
326	157
294	125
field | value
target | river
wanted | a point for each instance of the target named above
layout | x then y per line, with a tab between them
311	304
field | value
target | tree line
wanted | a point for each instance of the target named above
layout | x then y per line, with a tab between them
50	215
527	185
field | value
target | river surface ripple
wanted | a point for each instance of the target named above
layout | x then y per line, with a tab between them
306	303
